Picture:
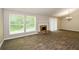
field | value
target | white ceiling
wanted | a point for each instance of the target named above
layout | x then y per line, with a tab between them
40	11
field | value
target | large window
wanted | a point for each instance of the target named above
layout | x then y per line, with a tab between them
20	23
16	24
30	23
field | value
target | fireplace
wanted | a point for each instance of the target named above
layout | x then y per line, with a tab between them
43	28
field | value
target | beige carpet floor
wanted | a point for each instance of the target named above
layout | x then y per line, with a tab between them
60	40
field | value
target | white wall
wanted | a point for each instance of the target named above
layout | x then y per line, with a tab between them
1	27
72	25
41	20
59	23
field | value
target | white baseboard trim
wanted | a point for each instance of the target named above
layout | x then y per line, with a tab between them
17	36
1	43
69	30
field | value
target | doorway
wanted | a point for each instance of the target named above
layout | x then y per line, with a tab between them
53	24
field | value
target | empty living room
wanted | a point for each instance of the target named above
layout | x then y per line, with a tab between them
39	29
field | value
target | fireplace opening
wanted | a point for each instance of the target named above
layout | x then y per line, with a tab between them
43	28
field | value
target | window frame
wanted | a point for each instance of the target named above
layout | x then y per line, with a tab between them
22	24
15	24
34	24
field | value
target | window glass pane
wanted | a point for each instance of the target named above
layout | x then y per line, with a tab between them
16	24
30	23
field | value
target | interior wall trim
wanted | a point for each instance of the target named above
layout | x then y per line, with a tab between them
1	43
13	37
